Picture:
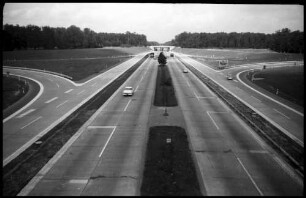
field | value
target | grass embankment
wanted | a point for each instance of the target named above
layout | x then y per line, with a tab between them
291	151
164	92
24	167
288	80
211	57
12	90
169	169
77	63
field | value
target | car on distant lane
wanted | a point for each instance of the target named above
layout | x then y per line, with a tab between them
128	91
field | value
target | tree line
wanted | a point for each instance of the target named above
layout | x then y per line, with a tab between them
281	41
34	37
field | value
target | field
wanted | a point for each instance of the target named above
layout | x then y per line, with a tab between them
288	80
211	57
80	64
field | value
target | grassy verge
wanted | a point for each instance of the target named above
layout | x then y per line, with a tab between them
24	167
164	91
291	151
289	81
78	63
211	57
12	90
169	169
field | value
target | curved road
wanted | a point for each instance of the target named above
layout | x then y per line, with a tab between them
59	98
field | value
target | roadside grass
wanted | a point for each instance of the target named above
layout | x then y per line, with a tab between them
211	57
288	80
12	90
18	172
164	91
169	168
80	64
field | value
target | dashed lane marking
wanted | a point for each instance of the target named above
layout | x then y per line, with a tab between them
51	100
61	103
26	113
68	91
31	122
282	114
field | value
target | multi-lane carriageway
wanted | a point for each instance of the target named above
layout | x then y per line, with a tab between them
106	155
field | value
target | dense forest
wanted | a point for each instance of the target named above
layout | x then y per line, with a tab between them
34	37
281	41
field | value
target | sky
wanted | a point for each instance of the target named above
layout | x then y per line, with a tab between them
158	21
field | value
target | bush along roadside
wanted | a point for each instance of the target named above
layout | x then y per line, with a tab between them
290	150
18	172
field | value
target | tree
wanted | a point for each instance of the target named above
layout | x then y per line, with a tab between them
162	59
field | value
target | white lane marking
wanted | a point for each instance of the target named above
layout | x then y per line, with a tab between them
61	104
93	84
141	78
78	181
282	114
68	91
137	88
107	141
50	79
41	90
195	95
187	83
127	105
224	105
256	99
212	120
80	92
26	113
101	127
57	85
31	122
51	100
295	111
257	188
235	80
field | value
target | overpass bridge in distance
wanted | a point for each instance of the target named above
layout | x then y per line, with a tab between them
157	49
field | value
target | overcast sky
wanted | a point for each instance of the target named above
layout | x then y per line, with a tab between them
159	22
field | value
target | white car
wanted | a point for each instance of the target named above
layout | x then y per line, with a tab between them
229	76
128	91
185	71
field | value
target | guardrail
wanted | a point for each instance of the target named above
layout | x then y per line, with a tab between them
292	152
39	70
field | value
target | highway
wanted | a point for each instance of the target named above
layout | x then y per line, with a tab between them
57	99
106	156
289	121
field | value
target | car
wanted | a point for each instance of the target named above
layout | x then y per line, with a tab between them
185	71
229	76
128	91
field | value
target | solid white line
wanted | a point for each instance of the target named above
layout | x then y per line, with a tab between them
41	90
31	122
51	100
61	103
295	111
256	98
80	92
282	114
101	127
212	120
68	91
127	105
257	188
26	113
107	142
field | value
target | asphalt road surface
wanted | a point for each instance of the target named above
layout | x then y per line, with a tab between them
58	98
289	118
107	156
